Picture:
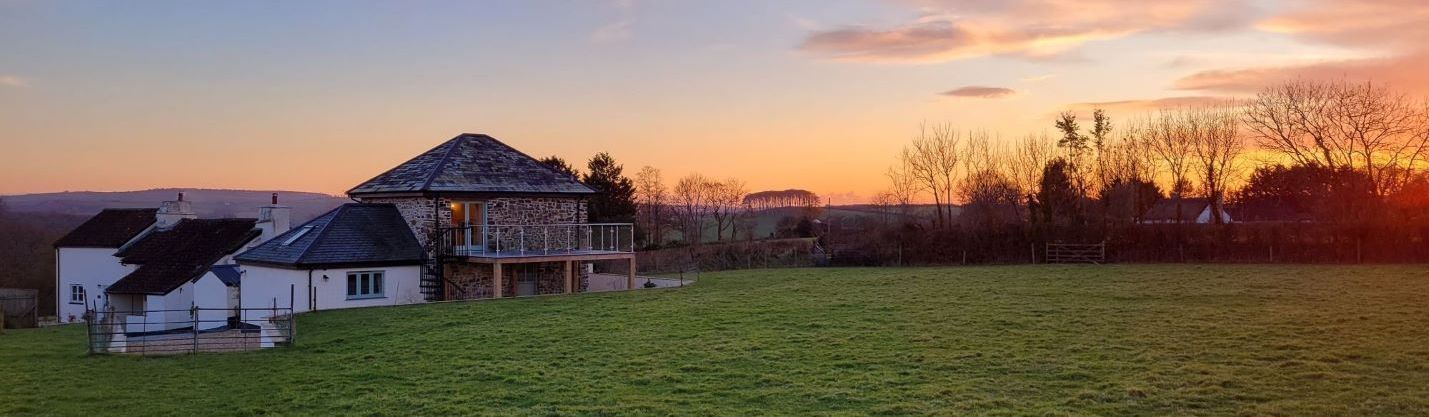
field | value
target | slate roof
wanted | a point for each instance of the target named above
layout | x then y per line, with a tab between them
169	258
111	228
229	274
1165	210
353	234
472	163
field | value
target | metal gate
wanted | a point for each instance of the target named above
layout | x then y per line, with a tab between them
1070	253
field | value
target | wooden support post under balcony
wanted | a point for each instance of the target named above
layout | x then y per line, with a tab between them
569	271
496	285
630	276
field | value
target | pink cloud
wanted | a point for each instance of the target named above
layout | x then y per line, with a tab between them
979	92
1406	72
1394	28
951	30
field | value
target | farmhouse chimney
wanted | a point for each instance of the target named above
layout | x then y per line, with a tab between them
274	219
171	212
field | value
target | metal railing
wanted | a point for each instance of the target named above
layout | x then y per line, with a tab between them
538	239
186	331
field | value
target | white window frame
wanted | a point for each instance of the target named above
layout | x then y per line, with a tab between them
362	285
82	294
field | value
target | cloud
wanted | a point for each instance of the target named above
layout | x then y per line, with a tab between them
1397	24
979	92
1143	106
13	81
1405	72
619	30
1038	78
614	32
952	30
1394	30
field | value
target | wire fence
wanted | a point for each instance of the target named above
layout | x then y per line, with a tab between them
187	331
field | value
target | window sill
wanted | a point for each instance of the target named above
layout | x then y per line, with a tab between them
364	297
76	303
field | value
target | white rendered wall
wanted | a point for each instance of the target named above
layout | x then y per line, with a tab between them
210	294
262	285
95	268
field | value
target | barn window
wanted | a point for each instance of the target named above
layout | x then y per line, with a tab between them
364	284
76	294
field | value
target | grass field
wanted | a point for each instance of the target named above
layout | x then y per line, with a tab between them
1019	340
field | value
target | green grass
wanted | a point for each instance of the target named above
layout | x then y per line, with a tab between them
1021	340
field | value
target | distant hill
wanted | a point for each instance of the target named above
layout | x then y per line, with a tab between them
208	203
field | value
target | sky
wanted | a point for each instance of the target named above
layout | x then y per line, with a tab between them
321	95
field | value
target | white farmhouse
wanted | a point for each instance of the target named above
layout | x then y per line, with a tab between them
84	259
165	261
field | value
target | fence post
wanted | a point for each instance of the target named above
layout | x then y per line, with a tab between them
193	315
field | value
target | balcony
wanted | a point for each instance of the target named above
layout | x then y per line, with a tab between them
498	242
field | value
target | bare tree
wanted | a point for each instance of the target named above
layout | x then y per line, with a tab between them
1170	139
1339	124
726	203
1029	158
1216	141
691	205
903	184
933	158
651	193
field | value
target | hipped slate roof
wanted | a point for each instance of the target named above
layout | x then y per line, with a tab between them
472	163
169	258
111	228
354	234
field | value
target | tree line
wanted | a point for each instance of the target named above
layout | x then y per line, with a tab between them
685	213
1327	153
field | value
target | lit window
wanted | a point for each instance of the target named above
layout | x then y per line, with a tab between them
76	294
366	284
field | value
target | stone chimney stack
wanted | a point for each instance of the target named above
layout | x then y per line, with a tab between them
274	219
171	212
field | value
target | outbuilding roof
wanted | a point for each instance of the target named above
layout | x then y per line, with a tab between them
111	228
1165	210
169	258
229	274
472	163
354	234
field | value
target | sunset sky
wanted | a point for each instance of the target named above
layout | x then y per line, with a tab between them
321	95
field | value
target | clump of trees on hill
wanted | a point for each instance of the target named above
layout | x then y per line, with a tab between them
764	200
1344	159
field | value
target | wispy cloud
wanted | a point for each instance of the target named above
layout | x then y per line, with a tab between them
1393	30
951	30
1142	106
614	32
976	91
621	29
1402	71
13	81
1038	78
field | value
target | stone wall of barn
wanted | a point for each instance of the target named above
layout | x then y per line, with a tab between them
425	215
467	281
